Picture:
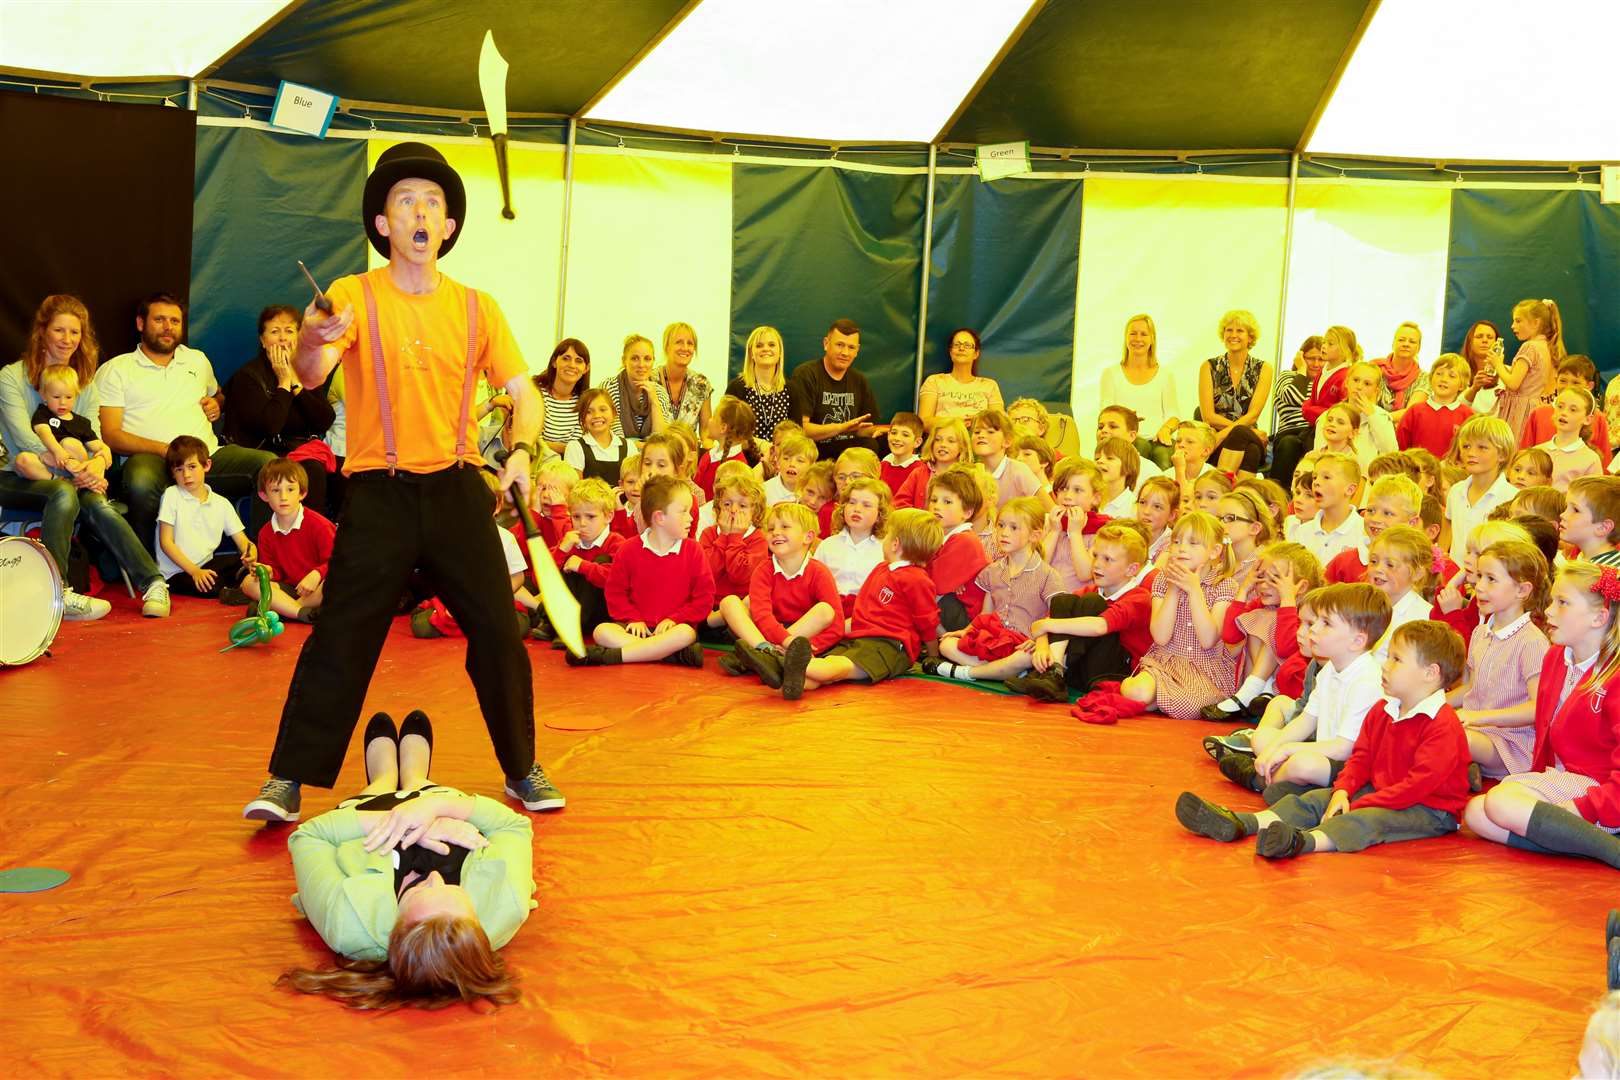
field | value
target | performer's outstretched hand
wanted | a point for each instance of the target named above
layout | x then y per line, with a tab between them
322	329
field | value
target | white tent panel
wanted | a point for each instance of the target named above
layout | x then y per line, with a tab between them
837	70
116	38
1494	80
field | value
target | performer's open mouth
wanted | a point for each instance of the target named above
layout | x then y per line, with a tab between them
420	236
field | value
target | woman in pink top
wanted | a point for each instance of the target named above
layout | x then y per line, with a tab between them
962	391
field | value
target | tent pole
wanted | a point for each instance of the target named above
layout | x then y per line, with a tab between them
1288	255
191	95
567	213
927	262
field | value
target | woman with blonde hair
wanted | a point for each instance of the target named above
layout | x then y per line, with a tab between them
415	886
1406	383
62	334
1234	388
687	390
762	384
1141	385
640	402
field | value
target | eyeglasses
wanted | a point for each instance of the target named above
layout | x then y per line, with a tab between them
1228	519
961	346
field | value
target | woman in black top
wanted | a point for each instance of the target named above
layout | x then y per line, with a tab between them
1233	390
1293	434
762	384
266	408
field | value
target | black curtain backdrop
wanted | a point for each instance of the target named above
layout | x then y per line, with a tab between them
99	205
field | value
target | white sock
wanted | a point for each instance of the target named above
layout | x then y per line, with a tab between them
1252	688
963	672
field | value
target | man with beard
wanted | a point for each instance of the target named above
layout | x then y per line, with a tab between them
152	395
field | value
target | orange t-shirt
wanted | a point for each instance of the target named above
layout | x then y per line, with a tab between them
424	341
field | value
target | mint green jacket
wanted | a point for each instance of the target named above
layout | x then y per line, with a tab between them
347	893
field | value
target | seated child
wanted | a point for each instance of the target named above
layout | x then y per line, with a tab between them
954	498
1497	700
895	615
794	455
1568	801
1455	604
1119	422
992	442
1029	417
1036	454
1374	429
1310	750
192	521
1247	522
296	544
1591	519
1578	371
1098	635
1400	564
553	480
586	554
668	453
855	548
1158	504
628	511
854	463
70	441
948	444
1067	533
660	587
728	470
1262	628
731	429
1406	776
600	450
734	544
1432	423
1209	489
902	461
1119	465
1395	500
1530	468
1295	678
1018	586
433	618
1303	505
1542	501
1195	442
1335	481
791	595
818	491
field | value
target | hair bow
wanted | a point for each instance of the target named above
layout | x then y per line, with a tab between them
1438	565
1608	584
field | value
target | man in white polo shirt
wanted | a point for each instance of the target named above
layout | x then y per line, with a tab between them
155	393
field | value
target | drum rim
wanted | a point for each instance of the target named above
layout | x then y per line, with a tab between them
58	605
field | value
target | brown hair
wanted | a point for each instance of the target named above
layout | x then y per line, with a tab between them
847	327
1166	486
910	420
1435	643
736	417
548	378
1393	463
1127	534
1538	458
182	449
978	346
821	475
280	469
659	492
672	443
1072	465
1601	494
996	420
1040	448
918	533
1361	607
431	964
1524	562
1427	466
1132	421
1542	500
871	486
1130	461
35	354
588	398
1545	312
960	481
1580	366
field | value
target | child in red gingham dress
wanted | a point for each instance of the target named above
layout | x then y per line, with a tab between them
1263	630
1019	586
1188	667
1570	803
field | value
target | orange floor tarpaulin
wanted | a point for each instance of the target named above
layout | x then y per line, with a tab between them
909	880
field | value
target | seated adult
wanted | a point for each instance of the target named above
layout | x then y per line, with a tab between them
156	392
962	391
413	885
61	334
1141	385
1405	383
567	375
1293	434
1233	390
688	391
832	401
1476	348
266	408
762	383
640	403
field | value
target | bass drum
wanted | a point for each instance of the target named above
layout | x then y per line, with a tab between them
30	600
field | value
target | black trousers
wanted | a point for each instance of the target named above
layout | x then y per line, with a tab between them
441	522
593	610
1089	660
1287	447
1244	440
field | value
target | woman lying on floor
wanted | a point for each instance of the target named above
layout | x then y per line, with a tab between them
413	885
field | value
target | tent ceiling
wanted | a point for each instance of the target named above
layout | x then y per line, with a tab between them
120	38
1164	74
425	52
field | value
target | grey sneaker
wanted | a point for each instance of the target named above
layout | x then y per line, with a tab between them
278	800
155	600
77	607
535	791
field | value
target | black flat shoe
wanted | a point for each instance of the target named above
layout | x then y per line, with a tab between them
417	723
380	726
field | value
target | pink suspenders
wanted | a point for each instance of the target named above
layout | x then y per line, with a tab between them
379	370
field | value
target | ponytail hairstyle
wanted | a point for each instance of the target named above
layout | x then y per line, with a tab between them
431	964
1545	312
1413	547
736	418
1523	562
1585	576
1207	530
1345	338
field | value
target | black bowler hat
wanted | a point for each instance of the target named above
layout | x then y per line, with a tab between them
412	160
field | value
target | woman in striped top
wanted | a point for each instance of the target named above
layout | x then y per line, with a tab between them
565	378
1292	432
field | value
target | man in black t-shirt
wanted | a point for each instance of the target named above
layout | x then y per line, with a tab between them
831	399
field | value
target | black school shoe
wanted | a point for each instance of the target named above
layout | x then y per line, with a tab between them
690	656
1049	686
768	666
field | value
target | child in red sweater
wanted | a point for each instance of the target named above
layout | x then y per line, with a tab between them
628	511
1577	371
1432	423
585	555
791	594
954	498
902	461
1406	777
296	543
734	544
1263	625
895	615
660	587
732	430
1569	804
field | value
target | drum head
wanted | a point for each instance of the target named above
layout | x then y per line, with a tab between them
30	600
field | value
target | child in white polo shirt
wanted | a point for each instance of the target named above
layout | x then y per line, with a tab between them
192	521
1336	478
